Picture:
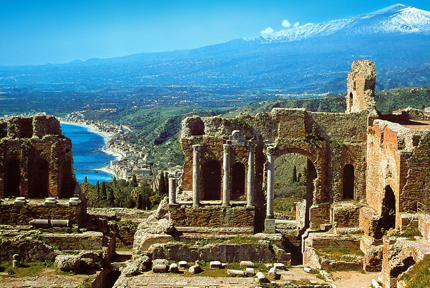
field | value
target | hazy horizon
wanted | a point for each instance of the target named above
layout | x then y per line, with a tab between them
42	32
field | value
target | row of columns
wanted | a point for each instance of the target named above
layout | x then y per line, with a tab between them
226	185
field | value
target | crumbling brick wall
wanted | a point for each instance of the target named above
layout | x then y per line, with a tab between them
36	160
212	216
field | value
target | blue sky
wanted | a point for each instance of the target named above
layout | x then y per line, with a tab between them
58	31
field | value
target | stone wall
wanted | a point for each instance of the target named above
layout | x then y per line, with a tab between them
11	215
329	140
346	215
361	86
396	154
211	216
74	241
35	159
220	252
29	250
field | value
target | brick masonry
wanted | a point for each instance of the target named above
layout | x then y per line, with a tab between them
211	216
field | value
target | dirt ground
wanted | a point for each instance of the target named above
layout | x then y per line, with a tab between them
48	278
344	279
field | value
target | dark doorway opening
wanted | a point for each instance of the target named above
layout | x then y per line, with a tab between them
66	180
211	180
39	183
238	181
388	216
348	182
13	179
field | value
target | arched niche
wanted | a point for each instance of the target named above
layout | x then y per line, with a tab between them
39	181
211	180
348	182
238	181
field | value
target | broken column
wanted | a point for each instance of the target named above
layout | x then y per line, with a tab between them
270	181
250	180
172	190
226	176
196	175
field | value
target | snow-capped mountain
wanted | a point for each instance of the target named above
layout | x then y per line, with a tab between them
394	19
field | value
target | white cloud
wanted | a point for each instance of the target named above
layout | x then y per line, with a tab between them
286	23
267	31
296	24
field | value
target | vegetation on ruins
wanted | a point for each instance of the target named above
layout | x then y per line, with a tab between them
419	275
120	193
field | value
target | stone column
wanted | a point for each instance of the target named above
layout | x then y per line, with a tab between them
196	175
270	181
172	190
250	179
226	176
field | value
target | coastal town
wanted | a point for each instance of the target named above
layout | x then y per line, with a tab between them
129	159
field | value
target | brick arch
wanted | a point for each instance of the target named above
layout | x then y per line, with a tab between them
312	184
311	153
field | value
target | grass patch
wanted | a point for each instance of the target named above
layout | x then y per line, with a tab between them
234	240
419	275
408	233
340	254
25	270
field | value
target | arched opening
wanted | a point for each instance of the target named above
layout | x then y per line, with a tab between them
197	127
39	182
66	180
13	179
294	189
406	263
211	176
348	182
238	182
388	215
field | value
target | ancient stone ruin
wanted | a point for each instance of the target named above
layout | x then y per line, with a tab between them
36	160
366	174
366	182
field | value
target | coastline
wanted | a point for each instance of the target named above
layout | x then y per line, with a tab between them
106	138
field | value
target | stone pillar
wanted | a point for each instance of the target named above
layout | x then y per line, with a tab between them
172	190
250	179
270	181
226	176
196	175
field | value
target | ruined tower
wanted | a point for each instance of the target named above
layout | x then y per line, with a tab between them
361	86
36	160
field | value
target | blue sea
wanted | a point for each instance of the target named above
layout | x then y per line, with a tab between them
87	153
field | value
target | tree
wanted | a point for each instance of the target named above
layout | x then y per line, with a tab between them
98	189
103	194
103	189
133	181
86	179
294	177
139	202
112	197
162	187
